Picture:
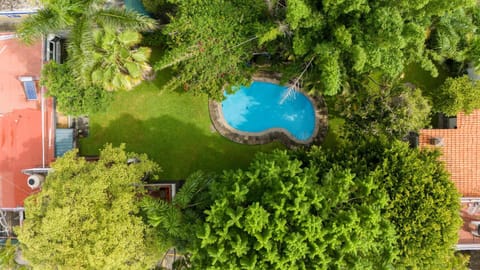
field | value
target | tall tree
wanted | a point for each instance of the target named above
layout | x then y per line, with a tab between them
87	215
457	95
372	204
389	109
423	203
210	43
282	214
358	37
84	20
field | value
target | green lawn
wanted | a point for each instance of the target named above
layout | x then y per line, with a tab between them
422	79
172	127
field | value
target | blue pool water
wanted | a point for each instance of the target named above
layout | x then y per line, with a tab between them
263	106
136	5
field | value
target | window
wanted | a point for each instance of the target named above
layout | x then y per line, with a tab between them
29	87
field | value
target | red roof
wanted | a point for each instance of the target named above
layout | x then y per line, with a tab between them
460	151
20	121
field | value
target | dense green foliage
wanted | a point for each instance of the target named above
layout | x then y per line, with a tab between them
210	42
7	257
86	216
71	98
423	201
455	36
118	63
280	214
101	39
348	38
384	110
457	95
368	205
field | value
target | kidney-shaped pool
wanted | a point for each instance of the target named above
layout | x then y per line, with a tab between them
263	106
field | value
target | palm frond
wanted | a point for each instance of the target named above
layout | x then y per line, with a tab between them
194	184
80	51
116	18
43	22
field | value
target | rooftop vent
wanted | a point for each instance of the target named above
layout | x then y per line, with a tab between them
437	141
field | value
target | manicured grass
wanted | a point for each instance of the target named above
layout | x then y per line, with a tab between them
172	127
422	79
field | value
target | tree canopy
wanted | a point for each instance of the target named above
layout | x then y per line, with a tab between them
350	38
86	216
372	205
96	32
210	43
390	109
71	98
457	95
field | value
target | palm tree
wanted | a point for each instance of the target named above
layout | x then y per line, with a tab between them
113	62
85	20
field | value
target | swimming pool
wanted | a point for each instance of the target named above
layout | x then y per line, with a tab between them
136	5
264	106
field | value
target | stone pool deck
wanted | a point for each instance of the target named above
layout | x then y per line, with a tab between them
274	134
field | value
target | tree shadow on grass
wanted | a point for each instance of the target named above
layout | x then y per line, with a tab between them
179	148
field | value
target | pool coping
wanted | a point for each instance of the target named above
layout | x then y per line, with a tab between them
272	134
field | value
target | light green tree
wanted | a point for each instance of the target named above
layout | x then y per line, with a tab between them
8	252
87	215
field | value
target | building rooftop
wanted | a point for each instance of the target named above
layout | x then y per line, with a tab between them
460	148
21	120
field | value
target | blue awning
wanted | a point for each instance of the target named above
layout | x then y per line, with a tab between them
63	141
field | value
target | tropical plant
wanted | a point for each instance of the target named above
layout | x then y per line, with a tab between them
86	22
457	95
71	98
285	214
391	110
87	215
118	63
171	219
373	203
349	38
210	44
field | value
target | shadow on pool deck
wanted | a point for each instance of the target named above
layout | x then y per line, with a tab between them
179	148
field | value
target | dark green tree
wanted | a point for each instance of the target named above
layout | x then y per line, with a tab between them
372	204
391	110
423	203
71	98
210	43
457	95
350	38
282	214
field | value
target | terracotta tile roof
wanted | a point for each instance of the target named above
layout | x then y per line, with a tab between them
20	121
460	151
